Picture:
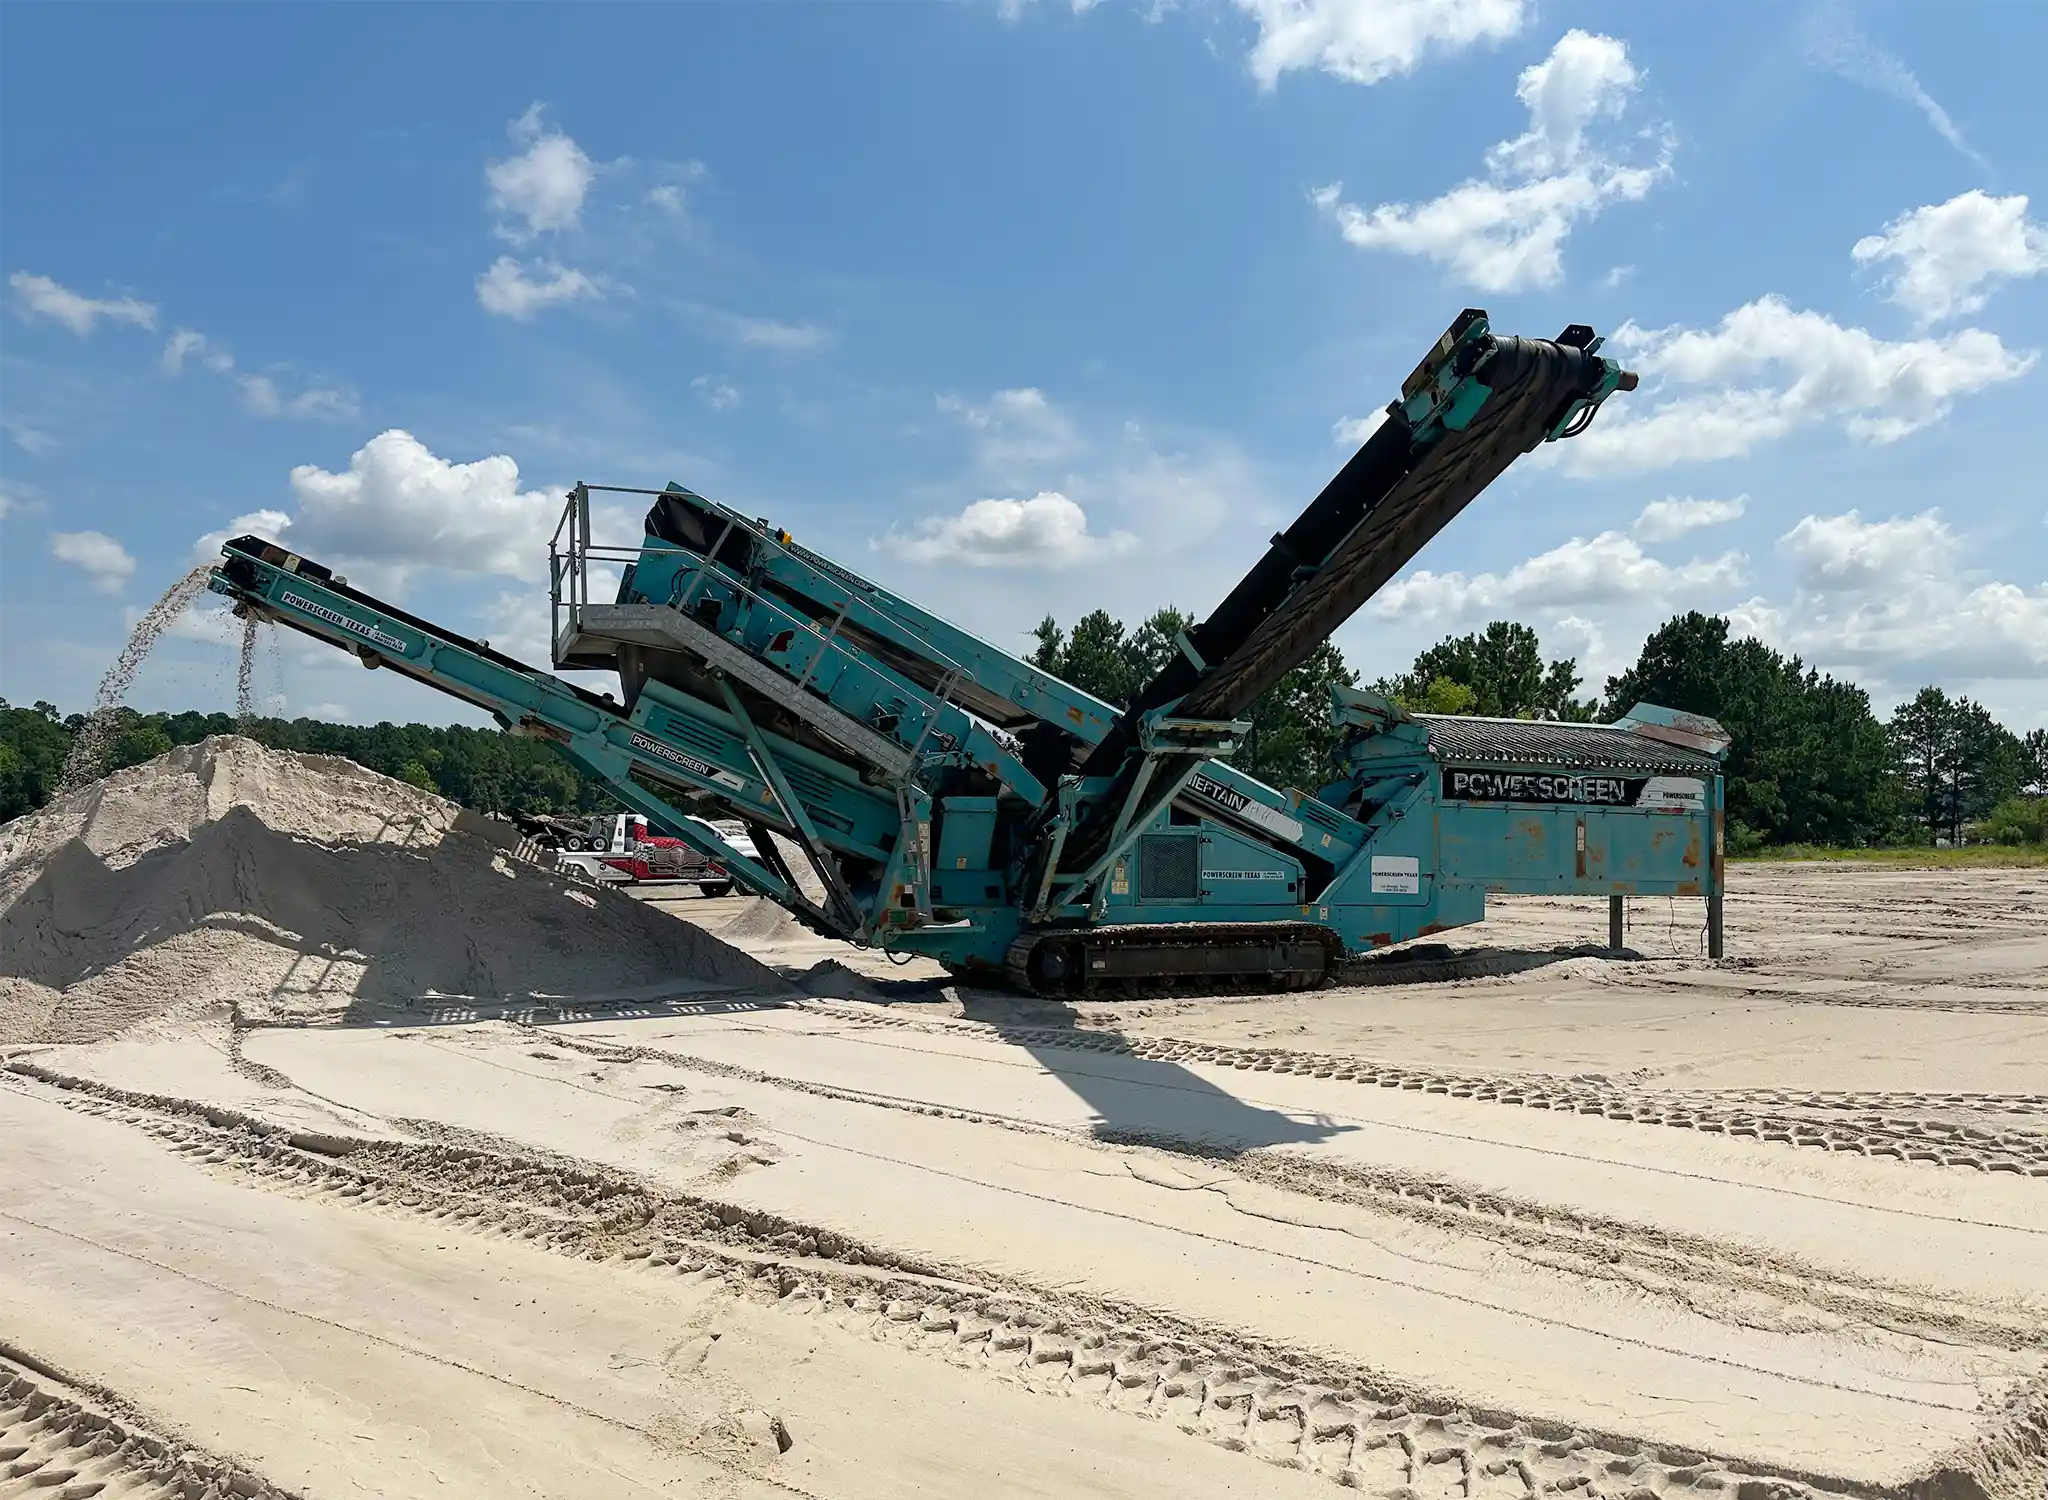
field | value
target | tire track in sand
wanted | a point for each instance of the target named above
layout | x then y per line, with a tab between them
1345	1423
1939	1142
61	1441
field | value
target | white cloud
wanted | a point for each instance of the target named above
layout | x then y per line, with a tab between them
1845	553
1351	432
261	396
40	297
1836	43
1017	432
1769	370
761	333
1602	569
1888	599
105	561
719	393
509	291
1047	529
1668	519
667	197
545	184
268	524
260	393
1506	232
1364	41
187	344
1012	11
1586	77
1948	258
31	440
399	507
1573	637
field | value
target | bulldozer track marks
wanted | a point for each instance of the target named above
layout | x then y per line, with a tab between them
1288	1407
59	1443
1851	1123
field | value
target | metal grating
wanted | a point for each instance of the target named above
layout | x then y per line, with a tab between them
1169	867
1541	742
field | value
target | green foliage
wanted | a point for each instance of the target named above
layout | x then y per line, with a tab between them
479	768
1502	670
1291	742
1956	761
2017	820
1441	696
33	744
1098	657
1809	763
2034	763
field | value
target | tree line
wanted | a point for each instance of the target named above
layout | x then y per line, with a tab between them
479	768
1811	763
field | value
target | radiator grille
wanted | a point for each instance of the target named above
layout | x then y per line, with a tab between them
1169	867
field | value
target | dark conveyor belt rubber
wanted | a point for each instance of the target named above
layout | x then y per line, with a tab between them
1368	523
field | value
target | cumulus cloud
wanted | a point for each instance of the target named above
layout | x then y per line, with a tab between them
1365	41
508	289
399	508
105	561
40	297
1673	517
1889	599
1768	370
1845	553
268	524
543	187
1506	231
1601	569
1946	259
1047	529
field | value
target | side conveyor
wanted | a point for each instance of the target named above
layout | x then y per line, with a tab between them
592	731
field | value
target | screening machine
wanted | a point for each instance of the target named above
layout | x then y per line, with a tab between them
951	800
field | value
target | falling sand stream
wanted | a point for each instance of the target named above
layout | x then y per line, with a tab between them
89	751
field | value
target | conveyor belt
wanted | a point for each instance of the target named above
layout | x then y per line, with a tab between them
1369	522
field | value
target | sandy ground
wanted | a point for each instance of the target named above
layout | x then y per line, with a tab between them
1497	1221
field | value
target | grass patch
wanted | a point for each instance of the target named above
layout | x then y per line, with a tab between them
1972	856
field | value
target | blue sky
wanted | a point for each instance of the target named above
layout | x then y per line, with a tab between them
1024	308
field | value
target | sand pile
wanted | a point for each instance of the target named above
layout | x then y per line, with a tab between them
300	887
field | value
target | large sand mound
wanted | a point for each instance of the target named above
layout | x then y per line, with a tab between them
300	887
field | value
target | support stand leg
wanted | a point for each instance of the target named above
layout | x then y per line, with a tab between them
1617	922
1714	943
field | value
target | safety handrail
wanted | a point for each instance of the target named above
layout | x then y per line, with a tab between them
573	565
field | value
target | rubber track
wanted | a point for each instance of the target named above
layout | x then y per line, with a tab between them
1017	961
1342	1422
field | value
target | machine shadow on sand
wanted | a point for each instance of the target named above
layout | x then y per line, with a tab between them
1139	1100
